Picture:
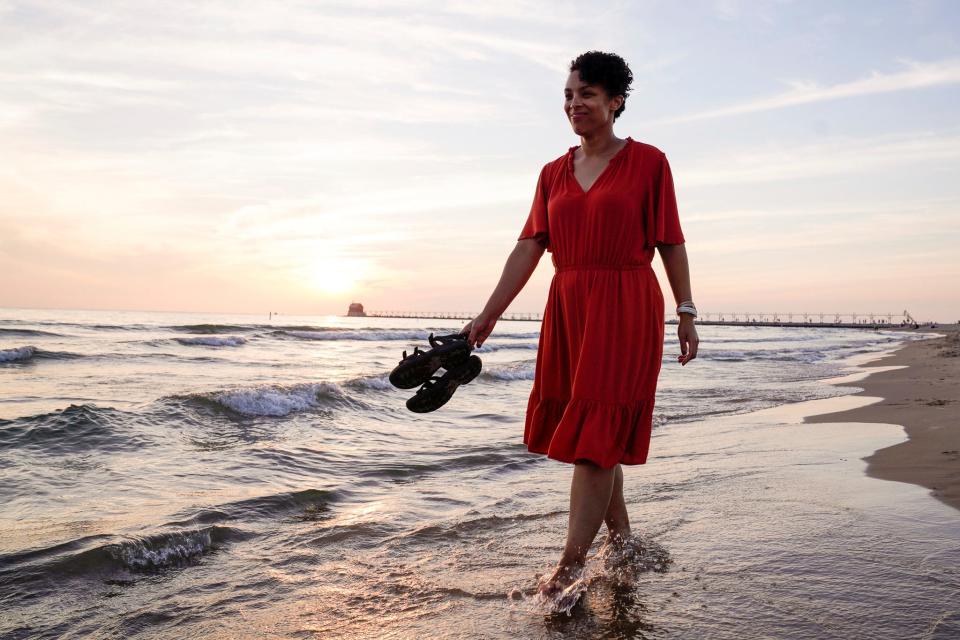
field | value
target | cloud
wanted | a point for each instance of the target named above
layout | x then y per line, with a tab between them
836	157
236	142
873	233
820	209
918	75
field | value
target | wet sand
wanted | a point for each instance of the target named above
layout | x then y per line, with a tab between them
917	388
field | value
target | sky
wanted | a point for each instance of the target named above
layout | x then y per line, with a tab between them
296	157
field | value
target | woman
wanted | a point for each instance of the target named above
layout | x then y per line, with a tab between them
601	209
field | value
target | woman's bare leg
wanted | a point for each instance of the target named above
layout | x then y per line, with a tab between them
616	518
590	493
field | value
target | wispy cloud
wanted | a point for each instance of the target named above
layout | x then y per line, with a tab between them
829	209
239	145
862	235
836	157
918	75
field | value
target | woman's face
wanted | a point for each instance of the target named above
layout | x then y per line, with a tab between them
588	107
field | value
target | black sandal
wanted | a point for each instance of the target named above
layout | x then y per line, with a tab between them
436	391
447	352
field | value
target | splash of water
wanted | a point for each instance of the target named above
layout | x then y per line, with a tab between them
620	561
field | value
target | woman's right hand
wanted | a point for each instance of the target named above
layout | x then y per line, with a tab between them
478	329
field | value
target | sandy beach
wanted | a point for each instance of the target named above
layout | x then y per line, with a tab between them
921	394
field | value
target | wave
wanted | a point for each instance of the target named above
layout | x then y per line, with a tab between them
486	457
178	544
234	328
76	428
25	354
281	328
510	371
57	355
775	339
18	354
767	355
420	335
522	335
277	400
306	504
488	347
213	341
118	327
355	535
378	334
212	328
109	554
377	382
178	357
4	331
83	325
164	550
428	534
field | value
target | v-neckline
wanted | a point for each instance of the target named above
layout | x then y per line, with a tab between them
573	173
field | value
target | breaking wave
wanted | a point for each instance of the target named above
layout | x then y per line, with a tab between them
131	554
378	382
18	354
28	353
213	341
165	550
510	371
279	400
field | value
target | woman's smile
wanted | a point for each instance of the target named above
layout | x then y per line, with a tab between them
588	107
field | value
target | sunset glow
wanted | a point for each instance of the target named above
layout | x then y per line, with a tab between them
238	157
334	276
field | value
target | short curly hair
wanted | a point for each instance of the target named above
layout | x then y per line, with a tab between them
608	70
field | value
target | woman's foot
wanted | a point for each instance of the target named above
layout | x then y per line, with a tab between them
563	577
615	539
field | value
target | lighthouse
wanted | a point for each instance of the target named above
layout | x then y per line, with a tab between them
356	309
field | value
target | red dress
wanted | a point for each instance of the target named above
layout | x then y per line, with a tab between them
601	340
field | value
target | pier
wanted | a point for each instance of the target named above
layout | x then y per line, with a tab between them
733	318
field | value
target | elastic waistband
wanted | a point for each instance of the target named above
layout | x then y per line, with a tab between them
603	267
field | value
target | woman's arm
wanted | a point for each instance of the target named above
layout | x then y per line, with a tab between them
520	265
674	257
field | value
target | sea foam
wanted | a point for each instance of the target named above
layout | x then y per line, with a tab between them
278	400
511	371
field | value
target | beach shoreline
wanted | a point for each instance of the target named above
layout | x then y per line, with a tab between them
917	390
238	461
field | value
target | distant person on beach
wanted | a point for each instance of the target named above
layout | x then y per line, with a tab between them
601	209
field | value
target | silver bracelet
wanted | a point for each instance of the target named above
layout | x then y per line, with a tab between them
687	307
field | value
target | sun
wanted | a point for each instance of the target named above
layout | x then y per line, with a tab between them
336	276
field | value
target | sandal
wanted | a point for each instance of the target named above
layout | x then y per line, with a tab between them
436	391
415	369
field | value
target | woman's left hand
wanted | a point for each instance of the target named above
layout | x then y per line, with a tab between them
689	341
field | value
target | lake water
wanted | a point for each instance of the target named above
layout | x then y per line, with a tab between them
185	475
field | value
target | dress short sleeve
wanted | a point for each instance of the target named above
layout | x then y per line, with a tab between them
537	226
663	222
